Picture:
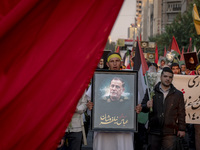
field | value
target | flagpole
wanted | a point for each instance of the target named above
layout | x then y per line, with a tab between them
147	85
198	52
148	90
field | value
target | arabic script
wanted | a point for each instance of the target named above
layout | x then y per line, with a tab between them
118	120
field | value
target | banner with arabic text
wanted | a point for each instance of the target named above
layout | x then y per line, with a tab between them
190	86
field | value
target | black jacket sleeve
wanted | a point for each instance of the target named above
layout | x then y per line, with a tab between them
181	113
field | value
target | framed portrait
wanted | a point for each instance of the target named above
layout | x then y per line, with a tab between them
114	94
103	58
191	60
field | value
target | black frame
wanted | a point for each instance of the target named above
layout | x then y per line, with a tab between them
187	57
119	111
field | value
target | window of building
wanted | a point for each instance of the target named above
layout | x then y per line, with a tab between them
171	17
174	7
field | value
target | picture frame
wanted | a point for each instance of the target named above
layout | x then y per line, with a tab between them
114	94
191	60
103	58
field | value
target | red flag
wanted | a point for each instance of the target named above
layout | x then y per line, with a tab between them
156	53
117	50
174	45
165	52
38	46
182	56
190	46
129	66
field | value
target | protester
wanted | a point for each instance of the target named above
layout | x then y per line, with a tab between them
132	62
141	136
198	69
167	118
183	69
75	131
175	68
162	64
113	140
155	66
189	72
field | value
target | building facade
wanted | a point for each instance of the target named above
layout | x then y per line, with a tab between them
131	31
170	9
157	17
152	16
138	18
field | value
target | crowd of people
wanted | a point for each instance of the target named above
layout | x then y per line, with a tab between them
166	114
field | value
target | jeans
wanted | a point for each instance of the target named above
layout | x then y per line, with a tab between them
161	142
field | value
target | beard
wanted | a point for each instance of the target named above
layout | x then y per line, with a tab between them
166	85
100	66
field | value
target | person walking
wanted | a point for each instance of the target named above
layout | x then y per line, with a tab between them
167	116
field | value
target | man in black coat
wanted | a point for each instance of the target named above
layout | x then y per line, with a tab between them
167	118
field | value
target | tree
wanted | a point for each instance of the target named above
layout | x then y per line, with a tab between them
182	28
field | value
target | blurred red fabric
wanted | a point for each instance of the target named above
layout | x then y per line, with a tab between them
47	51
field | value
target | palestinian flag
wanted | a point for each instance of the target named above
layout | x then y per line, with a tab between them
174	45
140	65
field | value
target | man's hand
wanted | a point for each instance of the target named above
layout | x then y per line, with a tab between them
181	133
150	104
61	143
90	105
138	108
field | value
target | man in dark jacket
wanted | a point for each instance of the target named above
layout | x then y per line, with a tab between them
167	118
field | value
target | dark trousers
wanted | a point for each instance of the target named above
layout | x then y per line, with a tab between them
197	136
140	137
162	142
73	141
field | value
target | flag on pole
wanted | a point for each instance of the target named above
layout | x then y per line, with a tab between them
190	46
156	53
165	52
38	47
140	65
139	61
196	19
174	45
182	56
